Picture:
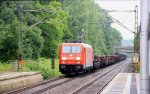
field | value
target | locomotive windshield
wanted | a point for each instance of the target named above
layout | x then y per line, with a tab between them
71	49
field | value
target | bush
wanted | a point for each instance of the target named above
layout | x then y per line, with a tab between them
5	67
42	65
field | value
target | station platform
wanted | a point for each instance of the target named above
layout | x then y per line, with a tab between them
124	83
13	80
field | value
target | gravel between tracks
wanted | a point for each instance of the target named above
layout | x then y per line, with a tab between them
98	85
71	85
69	88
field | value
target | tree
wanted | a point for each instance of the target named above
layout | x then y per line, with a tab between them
41	39
87	15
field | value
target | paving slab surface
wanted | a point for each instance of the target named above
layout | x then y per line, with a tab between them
13	80
124	83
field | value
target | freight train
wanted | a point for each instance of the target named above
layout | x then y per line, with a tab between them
79	58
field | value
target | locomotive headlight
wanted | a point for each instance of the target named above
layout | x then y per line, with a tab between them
77	58
64	62
63	58
78	62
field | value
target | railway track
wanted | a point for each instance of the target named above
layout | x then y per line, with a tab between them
91	87
33	86
63	84
80	83
121	69
53	86
46	85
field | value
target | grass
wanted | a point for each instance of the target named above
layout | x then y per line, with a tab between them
5	67
41	65
44	66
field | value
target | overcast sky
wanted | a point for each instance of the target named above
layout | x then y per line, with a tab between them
126	18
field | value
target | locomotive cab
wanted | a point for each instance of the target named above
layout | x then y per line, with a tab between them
72	58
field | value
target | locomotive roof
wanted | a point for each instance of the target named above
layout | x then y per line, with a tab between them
84	45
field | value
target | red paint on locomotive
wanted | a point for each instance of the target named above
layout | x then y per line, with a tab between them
75	57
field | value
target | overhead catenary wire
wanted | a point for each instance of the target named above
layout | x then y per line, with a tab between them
20	11
119	0
118	10
125	19
121	24
117	21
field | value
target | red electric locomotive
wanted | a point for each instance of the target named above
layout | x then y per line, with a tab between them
75	58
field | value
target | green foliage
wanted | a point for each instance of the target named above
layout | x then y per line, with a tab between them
8	32
42	65
53	22
33	43
87	15
42	29
5	67
53	29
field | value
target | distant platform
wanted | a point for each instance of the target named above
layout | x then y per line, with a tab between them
124	83
13	80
